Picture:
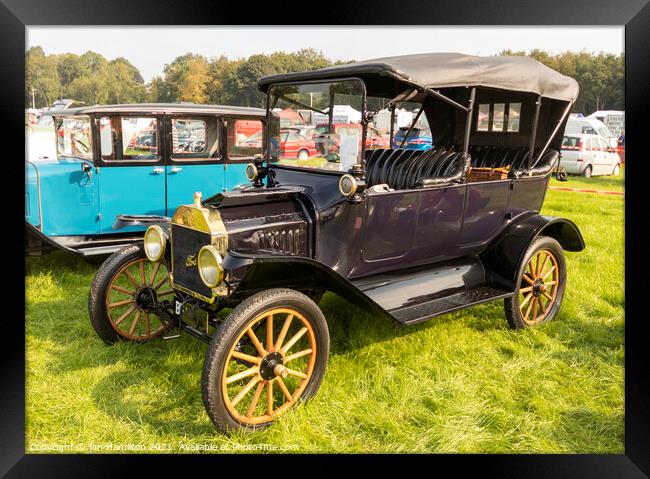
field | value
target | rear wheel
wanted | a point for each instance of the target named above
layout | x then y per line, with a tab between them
303	155
617	170
587	171
123	294
269	354
540	287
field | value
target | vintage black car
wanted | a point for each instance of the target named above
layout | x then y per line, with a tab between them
404	234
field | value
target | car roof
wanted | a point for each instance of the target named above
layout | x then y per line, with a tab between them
446	70
161	108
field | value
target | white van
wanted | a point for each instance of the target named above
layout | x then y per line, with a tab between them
590	126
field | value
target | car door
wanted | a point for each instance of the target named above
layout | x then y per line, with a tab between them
195	160
244	139
132	171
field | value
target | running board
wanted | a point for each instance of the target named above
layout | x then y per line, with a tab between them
414	295
429	309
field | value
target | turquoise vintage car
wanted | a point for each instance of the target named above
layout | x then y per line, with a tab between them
136	161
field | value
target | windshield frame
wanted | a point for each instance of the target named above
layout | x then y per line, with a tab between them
267	126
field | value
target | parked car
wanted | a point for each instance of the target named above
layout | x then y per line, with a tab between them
295	145
138	159
590	126
417	139
407	235
374	139
589	155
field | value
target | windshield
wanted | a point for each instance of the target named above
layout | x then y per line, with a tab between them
73	137
336	110
604	131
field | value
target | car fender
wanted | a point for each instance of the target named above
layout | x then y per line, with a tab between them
505	254
258	271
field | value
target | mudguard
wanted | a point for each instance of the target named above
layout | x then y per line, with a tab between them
36	242
139	220
504	255
259	271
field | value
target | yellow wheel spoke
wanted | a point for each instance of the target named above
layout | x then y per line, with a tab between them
242	375
526	299
246	389
127	313
293	340
296	373
526	290
269	332
122	290
120	303
550	283
530	305
147	325
135	321
542	309
246	357
543	268
284	389
142	276
256	342
283	331
154	272
128	274
550	270
161	282
535	304
269	398
548	296
297	355
256	398
166	293
527	278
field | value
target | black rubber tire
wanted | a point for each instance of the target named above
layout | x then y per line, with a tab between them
511	305
99	288
229	331
587	171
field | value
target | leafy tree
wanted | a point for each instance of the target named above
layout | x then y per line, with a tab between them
41	77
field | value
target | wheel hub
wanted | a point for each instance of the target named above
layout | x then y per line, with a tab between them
272	366
146	299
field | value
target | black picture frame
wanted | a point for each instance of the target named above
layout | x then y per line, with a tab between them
635	15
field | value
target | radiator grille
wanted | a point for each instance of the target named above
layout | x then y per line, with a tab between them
186	243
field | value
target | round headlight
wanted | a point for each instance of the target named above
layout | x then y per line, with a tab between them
155	241
210	266
347	185
251	172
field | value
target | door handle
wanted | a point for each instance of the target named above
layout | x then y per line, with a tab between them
176	169
157	170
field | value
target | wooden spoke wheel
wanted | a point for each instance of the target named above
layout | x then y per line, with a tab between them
270	353
124	295
541	285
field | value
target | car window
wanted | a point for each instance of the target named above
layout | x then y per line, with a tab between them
570	141
194	138
603	144
587	130
74	137
244	138
483	121
129	138
498	115
514	113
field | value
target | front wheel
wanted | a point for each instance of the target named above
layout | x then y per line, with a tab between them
540	285
587	172
303	155
269	354
123	294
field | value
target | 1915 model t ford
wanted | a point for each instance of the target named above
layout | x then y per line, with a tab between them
405	234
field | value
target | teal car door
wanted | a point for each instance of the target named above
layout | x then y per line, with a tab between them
244	140
195	162
132	169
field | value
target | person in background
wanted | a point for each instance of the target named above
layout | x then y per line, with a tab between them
621	139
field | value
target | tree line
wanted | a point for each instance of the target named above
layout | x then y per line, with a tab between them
93	79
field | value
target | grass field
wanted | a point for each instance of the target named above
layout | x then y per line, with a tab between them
463	382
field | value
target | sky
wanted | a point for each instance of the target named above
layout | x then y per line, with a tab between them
150	48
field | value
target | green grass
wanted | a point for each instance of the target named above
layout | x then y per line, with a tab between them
462	382
605	183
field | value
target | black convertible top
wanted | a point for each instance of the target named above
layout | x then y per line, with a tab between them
445	70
